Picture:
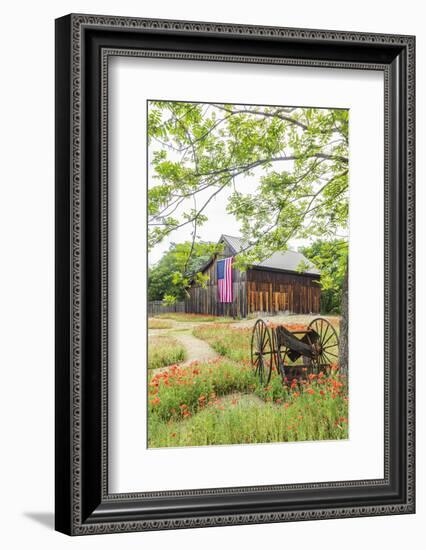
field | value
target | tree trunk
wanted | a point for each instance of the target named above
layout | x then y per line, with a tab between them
343	339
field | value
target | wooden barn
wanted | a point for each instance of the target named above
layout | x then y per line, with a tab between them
269	287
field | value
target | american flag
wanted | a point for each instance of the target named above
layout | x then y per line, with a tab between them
224	280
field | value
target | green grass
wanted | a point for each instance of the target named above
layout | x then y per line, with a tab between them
164	351
159	324
194	318
242	420
233	343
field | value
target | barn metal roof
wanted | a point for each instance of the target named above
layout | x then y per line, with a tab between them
288	260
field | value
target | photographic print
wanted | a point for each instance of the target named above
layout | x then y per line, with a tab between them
247	281
206	244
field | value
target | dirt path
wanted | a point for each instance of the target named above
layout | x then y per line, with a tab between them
196	349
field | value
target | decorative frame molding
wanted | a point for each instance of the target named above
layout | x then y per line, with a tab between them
84	43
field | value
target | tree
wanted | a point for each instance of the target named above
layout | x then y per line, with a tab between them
169	278
297	157
330	257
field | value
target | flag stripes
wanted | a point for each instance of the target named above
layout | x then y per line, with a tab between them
224	280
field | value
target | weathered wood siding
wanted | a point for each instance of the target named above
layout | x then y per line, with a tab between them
271	291
205	300
256	291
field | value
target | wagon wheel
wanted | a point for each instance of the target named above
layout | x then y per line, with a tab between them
327	343
262	351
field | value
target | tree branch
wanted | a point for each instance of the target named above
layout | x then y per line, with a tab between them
276	114
260	162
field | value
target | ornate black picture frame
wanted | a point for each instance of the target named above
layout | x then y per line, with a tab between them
84	44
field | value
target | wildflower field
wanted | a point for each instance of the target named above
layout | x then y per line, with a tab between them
220	401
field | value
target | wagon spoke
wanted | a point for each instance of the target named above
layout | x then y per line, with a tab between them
326	357
264	340
260	336
325	333
330	346
330	353
329	338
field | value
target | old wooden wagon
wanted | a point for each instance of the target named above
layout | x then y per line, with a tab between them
293	353
273	286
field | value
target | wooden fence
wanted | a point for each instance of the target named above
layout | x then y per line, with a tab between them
205	301
157	307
